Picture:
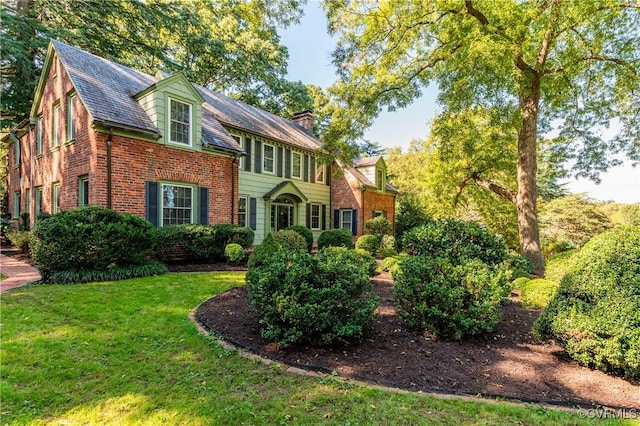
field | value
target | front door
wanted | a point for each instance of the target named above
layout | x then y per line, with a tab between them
282	213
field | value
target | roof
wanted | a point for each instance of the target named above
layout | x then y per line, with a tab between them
107	89
366	161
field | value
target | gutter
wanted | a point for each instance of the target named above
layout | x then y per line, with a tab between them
111	125
233	187
109	140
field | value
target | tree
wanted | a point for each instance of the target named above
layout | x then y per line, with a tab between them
507	73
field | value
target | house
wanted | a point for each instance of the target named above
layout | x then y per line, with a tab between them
164	149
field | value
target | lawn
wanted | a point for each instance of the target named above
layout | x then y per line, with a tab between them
126	352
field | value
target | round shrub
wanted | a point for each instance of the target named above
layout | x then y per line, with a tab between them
449	300
305	232
378	226
519	282
290	240
595	315
455	240
260	253
388	243
369	243
335	238
537	293
90	238
313	299
20	240
234	253
390	264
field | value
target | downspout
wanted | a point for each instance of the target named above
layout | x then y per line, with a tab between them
233	187
362	208
109	139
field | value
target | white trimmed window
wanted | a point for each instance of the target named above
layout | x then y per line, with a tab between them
243	202
16	152
268	158
240	141
38	199
296	165
55	198
83	191
345	218
177	204
55	126
39	135
380	179
16	205
320	173
315	216
71	117
179	122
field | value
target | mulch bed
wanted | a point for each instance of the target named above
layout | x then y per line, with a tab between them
506	363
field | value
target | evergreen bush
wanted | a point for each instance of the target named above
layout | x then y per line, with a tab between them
234	253
305	232
260	253
290	240
335	238
369	243
378	226
20	240
537	293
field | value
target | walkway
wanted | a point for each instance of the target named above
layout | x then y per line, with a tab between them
18	273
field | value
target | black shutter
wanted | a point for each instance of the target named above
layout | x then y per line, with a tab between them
324	217
203	206
287	163
336	218
152	202
258	158
309	215
305	170
247	159
327	175
312	177
279	161
354	222
252	213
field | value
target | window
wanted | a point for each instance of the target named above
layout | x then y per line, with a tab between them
380	179
55	198
55	126
377	213
320	173
315	216
27	201
16	152
242	211
38	200
16	205
177	204
268	158
296	165
180	122
39	135
71	117
83	191
240	141
345	218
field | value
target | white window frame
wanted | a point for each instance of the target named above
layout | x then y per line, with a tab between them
37	195
349	221
317	216
170	122
55	126
243	216
83	192
193	207
380	179
320	173
16	205
39	131
265	158
299	156
55	198
16	153
71	117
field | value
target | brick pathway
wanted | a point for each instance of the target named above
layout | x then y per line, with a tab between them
18	273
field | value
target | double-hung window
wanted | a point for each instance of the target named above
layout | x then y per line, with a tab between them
55	198
39	135
268	158
179	122
177	204
55	126
83	191
315	216
16	152
380	180
242	211
296	165
38	199
320	173
16	205
71	117
345	218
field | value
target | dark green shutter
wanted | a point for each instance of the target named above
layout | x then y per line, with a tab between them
152	197
384	214
252	213
279	161
354	222
258	158
305	170
336	218
247	159
324	217
287	163
309	215
203	206
312	177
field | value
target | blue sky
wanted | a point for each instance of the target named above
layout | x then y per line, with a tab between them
310	50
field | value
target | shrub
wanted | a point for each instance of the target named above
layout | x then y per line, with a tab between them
290	240
537	293
456	241
260	253
5	226
314	299
595	315
446	299
369	243
305	232
368	262
555	247
20	239
388	243
517	266
234	253
378	226
519	282
390	264
112	273
90	239
335	238
409	214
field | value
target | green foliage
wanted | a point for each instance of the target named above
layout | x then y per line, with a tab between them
366	260
390	264
315	299
622	214
378	226
111	273
261	253
537	293
559	264
369	243
335	238
388	243
446	299
290	240
305	232
234	253
595	314
409	213
455	240
90	238
24	223
519	282
5	225
20	239
516	266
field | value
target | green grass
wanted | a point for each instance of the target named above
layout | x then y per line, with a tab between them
126	352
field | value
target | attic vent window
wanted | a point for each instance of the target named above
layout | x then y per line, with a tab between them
180	123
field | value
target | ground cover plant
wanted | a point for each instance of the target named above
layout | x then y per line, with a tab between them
125	352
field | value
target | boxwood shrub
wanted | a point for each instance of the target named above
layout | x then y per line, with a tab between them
261	253
234	253
305	232
537	293
335	238
311	299
595	315
290	240
369	242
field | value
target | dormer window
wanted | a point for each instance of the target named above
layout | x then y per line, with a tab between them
180	122
380	179
296	165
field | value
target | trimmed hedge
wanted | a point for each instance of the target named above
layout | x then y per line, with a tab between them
261	253
595	315
369	243
234	253
378	226
305	232
335	238
290	240
537	293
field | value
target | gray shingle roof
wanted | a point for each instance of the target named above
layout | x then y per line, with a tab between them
366	161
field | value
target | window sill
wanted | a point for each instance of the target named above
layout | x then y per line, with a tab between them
55	148
70	142
38	156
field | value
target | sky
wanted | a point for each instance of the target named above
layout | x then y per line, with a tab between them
310	50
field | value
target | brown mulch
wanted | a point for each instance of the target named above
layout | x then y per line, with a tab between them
506	363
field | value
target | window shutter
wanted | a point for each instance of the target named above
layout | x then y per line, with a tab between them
373	214
308	215
252	213
354	222
247	149
287	163
384	214
203	206
327	177
324	217
312	176
305	170
258	158
151	196
279	161
336	218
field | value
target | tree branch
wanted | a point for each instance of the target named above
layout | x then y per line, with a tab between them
497	189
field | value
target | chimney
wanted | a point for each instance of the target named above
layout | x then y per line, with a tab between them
304	118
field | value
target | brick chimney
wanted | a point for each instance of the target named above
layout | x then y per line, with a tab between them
304	118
